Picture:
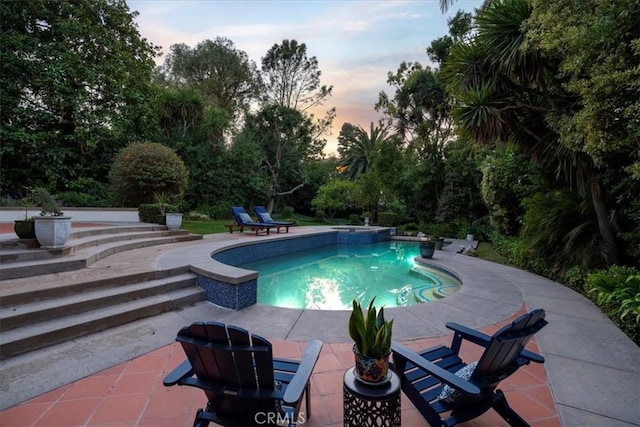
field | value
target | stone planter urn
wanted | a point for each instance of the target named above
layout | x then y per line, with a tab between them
174	220
52	232
25	228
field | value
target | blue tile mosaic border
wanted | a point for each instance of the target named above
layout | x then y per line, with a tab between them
234	296
258	251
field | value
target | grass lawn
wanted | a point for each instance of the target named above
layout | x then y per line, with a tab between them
205	227
219	226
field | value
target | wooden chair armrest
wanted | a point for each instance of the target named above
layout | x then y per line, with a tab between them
469	334
463	332
296	387
433	369
533	357
182	371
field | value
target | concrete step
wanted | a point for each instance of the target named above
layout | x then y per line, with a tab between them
17	316
73	283
39	324
79	233
90	253
22	250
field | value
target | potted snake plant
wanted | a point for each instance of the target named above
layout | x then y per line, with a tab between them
371	334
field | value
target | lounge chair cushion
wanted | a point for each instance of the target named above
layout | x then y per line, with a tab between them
450	394
266	217
245	217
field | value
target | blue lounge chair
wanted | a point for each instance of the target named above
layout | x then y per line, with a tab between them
243	219
265	217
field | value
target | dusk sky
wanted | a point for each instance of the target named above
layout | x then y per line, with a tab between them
356	42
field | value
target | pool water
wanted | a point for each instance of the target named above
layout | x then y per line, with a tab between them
329	278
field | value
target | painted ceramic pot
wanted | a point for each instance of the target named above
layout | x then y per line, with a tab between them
372	370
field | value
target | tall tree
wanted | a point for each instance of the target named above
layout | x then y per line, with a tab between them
291	78
75	86
508	89
460	26
195	131
419	114
595	46
224	75
419	109
284	138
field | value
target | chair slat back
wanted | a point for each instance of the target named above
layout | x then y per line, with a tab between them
500	356
228	357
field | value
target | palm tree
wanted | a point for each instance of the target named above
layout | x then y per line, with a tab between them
505	91
181	109
358	149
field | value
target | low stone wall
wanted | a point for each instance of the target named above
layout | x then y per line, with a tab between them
77	214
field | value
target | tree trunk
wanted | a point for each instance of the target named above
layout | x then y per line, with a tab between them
608	246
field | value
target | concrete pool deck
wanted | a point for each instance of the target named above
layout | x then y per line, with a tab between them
593	369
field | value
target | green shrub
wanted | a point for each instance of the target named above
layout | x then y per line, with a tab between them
143	169
575	278
85	192
148	212
387	219
409	228
217	211
518	253
73	198
481	232
354	219
321	215
287	212
617	291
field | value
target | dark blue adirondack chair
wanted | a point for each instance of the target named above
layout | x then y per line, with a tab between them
243	383
425	374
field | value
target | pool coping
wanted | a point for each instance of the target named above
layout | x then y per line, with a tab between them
476	304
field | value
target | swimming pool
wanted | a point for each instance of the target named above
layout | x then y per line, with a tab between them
330	277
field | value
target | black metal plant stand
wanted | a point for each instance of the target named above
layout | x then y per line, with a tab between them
371	405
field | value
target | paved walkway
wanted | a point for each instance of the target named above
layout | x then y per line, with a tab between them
591	376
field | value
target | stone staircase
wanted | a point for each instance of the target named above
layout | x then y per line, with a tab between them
23	258
51	296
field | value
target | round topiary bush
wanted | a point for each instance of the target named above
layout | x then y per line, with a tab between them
143	169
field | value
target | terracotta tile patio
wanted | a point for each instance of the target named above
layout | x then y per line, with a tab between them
132	394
